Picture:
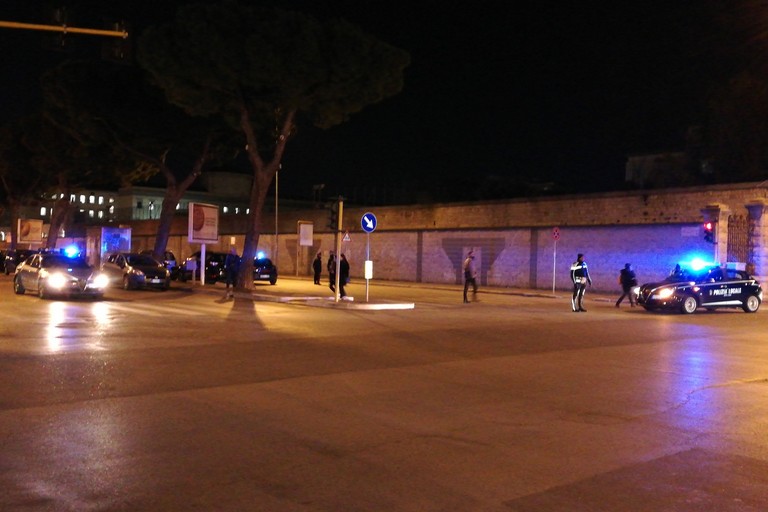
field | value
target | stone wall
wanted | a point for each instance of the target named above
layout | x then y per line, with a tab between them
513	240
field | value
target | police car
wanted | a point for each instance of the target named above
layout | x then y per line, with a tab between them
702	286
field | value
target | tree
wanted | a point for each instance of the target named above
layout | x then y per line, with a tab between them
115	107
259	69
19	180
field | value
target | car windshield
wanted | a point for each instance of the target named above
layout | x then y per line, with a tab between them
703	275
262	262
61	261
140	259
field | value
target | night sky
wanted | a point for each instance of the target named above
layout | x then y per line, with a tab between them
524	93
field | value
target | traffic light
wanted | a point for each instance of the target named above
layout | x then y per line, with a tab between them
709	232
333	216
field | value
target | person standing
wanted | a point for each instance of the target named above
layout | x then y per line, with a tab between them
317	267
627	280
231	268
470	276
579	278
343	275
331	266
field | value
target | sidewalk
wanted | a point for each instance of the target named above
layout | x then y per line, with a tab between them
298	290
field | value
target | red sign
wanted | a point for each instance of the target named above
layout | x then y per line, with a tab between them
556	234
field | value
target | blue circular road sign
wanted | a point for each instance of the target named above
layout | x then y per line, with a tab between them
368	222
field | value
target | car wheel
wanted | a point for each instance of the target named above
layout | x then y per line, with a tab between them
752	304
41	291
273	280
17	287
690	304
126	283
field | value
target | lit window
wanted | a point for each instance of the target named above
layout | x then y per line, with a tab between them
111	209
43	211
101	199
101	214
82	198
247	211
90	213
226	209
92	199
111	200
53	196
237	210
72	198
178	206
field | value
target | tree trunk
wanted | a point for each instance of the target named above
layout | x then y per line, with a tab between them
61	210
167	213
263	173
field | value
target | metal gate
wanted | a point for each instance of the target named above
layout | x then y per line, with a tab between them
739	238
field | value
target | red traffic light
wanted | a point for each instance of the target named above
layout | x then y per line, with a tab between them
708	226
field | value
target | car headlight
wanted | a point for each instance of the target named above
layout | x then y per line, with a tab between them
665	293
100	281
57	281
137	272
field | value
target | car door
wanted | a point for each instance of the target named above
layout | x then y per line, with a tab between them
30	272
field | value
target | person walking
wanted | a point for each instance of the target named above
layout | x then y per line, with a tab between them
627	280
331	266
343	275
470	276
231	268
579	278
317	267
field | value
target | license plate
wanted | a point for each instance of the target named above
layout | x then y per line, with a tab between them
156	280
264	276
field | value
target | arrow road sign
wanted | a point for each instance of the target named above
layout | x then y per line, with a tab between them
368	222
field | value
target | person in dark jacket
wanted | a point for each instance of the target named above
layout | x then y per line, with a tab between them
317	267
579	278
331	266
627	280
343	275
231	268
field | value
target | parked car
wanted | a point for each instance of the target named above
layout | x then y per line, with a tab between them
214	267
14	257
169	261
709	286
132	270
53	273
264	270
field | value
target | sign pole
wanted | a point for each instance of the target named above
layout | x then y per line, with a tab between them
367	258
338	248
555	237
554	267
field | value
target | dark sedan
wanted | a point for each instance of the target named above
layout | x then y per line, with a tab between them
14	257
264	270
214	267
132	270
49	274
711	286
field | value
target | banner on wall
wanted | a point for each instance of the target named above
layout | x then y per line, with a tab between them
30	231
203	225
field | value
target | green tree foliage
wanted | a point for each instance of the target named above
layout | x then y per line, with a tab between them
261	69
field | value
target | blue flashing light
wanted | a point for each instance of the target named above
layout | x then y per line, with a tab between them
71	251
260	255
696	263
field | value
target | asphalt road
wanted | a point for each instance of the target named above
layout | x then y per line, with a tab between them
180	400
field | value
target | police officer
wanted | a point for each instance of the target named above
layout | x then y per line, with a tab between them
579	278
